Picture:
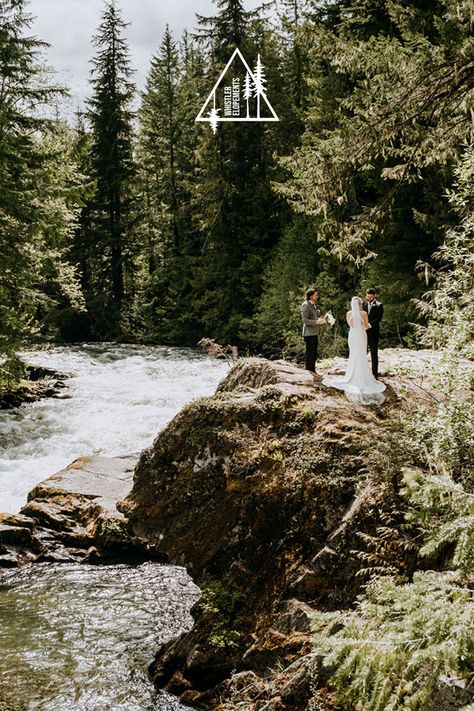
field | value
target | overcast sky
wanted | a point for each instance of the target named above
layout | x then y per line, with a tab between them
68	26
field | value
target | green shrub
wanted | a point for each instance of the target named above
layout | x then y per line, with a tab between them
221	607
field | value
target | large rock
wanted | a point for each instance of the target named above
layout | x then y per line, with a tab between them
261	492
72	515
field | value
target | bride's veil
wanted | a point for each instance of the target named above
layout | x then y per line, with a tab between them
355	312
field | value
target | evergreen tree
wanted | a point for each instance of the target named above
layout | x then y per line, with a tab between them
386	124
167	137
236	213
112	167
38	189
226	30
159	119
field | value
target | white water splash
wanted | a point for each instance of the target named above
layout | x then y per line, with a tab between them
121	396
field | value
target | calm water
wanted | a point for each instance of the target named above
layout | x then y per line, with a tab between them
120	397
80	638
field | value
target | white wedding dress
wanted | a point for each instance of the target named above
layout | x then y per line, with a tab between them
358	383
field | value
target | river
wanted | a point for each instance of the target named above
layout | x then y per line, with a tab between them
118	398
78	636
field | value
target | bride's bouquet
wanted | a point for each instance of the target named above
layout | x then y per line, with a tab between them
330	318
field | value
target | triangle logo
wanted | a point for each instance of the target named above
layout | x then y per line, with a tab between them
239	94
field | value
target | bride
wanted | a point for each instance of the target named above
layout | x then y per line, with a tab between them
358	383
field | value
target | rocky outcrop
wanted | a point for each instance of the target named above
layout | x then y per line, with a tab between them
40	382
268	493
263	492
72	516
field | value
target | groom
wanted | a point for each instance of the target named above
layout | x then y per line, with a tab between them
312	320
374	311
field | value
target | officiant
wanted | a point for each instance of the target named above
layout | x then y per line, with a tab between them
312	321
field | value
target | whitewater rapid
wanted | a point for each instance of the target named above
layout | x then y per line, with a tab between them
117	399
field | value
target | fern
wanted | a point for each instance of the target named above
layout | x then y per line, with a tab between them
400	645
445	512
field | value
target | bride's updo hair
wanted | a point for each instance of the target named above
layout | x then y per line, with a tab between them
358	299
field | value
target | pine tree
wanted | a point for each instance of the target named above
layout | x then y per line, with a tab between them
38	189
385	125
236	212
166	141
159	122
292	17
226	30
112	168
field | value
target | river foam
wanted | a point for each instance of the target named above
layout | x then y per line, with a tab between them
119	397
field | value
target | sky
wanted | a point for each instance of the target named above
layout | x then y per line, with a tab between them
68	26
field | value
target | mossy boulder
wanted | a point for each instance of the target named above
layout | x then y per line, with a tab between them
264	488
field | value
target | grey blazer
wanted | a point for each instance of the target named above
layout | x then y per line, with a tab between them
309	315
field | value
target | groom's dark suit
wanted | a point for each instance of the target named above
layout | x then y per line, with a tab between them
375	314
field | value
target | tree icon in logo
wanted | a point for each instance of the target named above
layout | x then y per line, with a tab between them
259	83
248	91
239	94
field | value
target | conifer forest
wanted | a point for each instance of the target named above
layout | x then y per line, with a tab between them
131	221
127	221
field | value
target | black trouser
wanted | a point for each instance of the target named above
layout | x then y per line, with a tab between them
373	341
311	351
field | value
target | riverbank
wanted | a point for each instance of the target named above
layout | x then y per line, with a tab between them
71	517
264	492
40	383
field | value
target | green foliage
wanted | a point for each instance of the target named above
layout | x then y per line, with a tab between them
400	645
39	188
444	439
114	531
441	494
440	490
382	131
444	511
390	550
377	133
183	234
406	646
166	139
110	246
449	307
221	608
295	267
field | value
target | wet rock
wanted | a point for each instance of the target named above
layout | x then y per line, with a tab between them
40	372
73	512
15	534
9	560
40	382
